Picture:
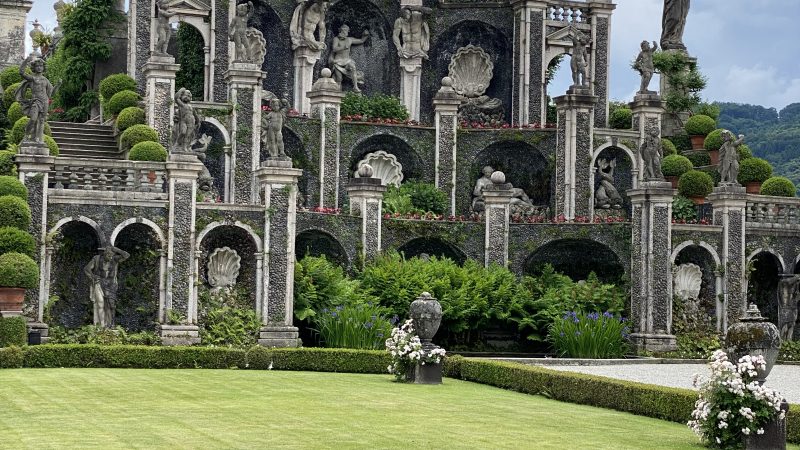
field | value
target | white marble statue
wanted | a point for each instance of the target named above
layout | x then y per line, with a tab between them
411	35
340	60
163	30
308	17
187	123
272	126
729	158
102	272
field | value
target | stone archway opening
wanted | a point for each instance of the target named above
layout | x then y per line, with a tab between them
432	246
577	258
705	313
69	305
139	278
239	240
320	243
523	164
762	288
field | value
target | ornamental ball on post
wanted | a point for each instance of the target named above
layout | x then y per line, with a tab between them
498	177
365	171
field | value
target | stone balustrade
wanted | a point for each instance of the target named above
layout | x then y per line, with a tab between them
568	11
108	175
773	212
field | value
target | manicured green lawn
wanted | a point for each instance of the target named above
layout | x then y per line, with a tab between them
132	408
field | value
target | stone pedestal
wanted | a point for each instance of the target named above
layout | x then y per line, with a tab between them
13	16
651	271
366	201
410	83
159	74
574	153
445	107
497	198
730	202
244	91
326	98
673	122
304	61
774	437
179	334
279	193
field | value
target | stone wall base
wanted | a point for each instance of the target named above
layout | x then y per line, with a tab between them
42	328
654	342
271	336
172	335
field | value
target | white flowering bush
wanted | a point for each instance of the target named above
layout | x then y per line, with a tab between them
732	404
406	350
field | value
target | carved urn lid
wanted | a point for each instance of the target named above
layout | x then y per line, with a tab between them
753	314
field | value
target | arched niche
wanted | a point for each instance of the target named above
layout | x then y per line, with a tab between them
216	155
405	154
139	278
623	173
711	310
278	60
577	258
189	44
762	288
432	246
524	165
240	240
74	245
294	148
320	243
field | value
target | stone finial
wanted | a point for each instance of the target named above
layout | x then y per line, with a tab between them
325	82
365	171
498	177
447	82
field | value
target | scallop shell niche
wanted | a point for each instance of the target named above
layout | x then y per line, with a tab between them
223	268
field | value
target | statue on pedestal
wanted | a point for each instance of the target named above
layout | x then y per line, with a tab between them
36	107
308	16
478	204
249	43
579	61
340	60
272	126
787	308
673	21
102	271
652	153
606	196
163	30
416	36
187	123
644	64
729	158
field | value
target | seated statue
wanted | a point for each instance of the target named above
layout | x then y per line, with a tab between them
520	204
205	182
340	60
471	71
478	204
606	195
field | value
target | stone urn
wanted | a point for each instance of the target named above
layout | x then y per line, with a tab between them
753	335
426	313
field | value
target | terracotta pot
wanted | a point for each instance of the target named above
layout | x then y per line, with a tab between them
11	299
698	200
673	180
753	187
714	154
697	142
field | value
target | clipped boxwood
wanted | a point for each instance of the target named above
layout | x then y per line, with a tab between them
14	212
18	271
621	119
148	151
13	331
675	165
713	140
12	186
7	166
754	170
52	146
16	240
18	130
698	158
10	93
779	187
10	75
669	147
122	100
744	152
695	183
130	116
115	83
700	125
14	112
135	134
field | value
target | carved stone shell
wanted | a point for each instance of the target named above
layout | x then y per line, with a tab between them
687	280
471	70
223	268
384	166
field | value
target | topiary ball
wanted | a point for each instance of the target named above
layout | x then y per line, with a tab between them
18	130
10	75
122	100
135	134
51	145
675	165
695	183
12	186
744	152
621	119
116	83
10	93
148	151
7	166
18	271
130	116
754	170
714	140
779	187
14	112
669	147
15	240
700	125
14	212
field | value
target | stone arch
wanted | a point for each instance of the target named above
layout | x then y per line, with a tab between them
711	250
218	155
704	256
142	290
525	166
776	254
625	173
433	246
147	222
576	258
213	225
219	126
762	286
406	155
98	231
316	242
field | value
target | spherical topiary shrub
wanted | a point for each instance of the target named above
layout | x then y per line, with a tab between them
12	186
14	212
682	142
695	183
714	140
18	271
700	125
51	145
148	151
15	240
122	100
669	147
699	158
18	130
621	119
135	134
130	116
779	187
14	112
7	166
113	84
754	170
10	93
675	165
744	152
10	75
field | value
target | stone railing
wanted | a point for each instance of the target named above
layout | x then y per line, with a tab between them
108	175
773	212
568	11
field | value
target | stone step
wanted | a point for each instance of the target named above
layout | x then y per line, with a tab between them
81	126
77	142
82	134
88	147
90	156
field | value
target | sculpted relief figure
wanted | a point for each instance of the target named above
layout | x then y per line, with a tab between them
652	153
36	107
579	61
606	196
341	61
414	31
309	16
102	271
205	182
673	21
644	64
729	158
187	123
787	308
163	30
272	126
249	43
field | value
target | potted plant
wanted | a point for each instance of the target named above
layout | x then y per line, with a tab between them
698	127
778	187
753	172
673	166
712	144
695	185
17	273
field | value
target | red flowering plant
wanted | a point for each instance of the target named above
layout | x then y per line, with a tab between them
322	210
433	217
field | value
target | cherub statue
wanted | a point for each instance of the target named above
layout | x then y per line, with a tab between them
272	126
787	308
580	58
729	158
237	31
416	36
36	107
341	61
163	30
644	64
606	196
652	152
102	272
308	16
205	182
187	123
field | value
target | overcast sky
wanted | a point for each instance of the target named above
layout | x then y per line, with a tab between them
747	48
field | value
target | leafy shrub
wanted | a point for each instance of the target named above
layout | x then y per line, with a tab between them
227	319
397	202
379	106
675	165
135	134
122	100
16	240
695	345
92	334
52	146
744	152
14	212
700	125
708	109
322	285
13	331
7	166
592	335
621	119
10	75
698	158
682	142
14	112
148	151
754	170
790	351
713	173
116	83
18	130
18	271
10	93
130	116
683	209
713	140
669	147
695	184
12	186
425	196
361	326
779	187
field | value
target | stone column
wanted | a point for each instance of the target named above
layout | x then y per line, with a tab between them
366	201
304	61
648	110
497	198
182	171
651	271
219	50
601	58
445	107
730	202
13	16
410	84
159	75
244	85
528	95
279	191
326	98
574	153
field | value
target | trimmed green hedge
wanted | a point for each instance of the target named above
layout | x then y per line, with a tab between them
135	134
115	83
698	158
744	152
7	166
52	146
18	130
14	212
13	331
714	140
18	271
148	151
10	92
14	112
700	125
675	165
621	119
779	187
130	116
10	75
15	240
669	147
122	100
12	186
754	170
695	183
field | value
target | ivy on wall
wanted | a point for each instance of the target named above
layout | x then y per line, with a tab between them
192	60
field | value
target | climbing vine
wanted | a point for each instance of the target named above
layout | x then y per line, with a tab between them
192	60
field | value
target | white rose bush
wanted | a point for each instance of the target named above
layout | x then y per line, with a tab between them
406	350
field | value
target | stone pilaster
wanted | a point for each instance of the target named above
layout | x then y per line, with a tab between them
528	95
326	98
366	201
729	204
304	61
244	85
219	50
410	85
159	75
13	16
648	110
141	16
574	154
672	124
279	191
497	198
651	271
445	107
601	58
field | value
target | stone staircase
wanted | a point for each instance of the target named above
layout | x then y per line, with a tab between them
84	140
